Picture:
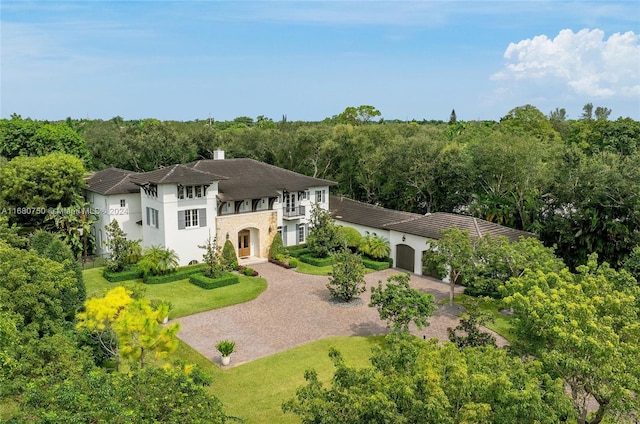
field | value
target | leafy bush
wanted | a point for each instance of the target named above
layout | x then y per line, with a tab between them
297	250
293	263
277	246
250	272
279	263
375	265
207	283
312	260
347	280
351	236
229	257
433	265
324	236
131	273
180	274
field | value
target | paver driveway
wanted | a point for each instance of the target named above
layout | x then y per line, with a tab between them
294	310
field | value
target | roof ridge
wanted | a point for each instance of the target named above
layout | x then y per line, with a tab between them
475	224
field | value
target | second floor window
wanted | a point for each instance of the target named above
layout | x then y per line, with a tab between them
320	196
152	217
191	218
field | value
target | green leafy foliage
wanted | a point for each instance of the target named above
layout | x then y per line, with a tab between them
37	289
213	257
375	247
157	260
415	381
229	256
351	236
399	304
25	137
347	277
632	264
123	252
142	395
207	283
50	246
277	247
584	329
226	347
32	186
324	234
10	233
471	335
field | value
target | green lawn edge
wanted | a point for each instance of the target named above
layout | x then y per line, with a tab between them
254	391
186	298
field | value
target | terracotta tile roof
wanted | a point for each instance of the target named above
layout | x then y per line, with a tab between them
179	174
112	181
251	179
428	226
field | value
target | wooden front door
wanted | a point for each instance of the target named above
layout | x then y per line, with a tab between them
244	248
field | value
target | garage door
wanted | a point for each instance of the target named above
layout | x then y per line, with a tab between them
405	257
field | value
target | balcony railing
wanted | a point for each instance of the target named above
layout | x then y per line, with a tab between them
291	213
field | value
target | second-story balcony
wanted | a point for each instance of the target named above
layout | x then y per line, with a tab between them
293	212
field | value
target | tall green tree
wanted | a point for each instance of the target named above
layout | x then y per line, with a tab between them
399	304
456	250
35	289
324	234
32	186
25	137
584	329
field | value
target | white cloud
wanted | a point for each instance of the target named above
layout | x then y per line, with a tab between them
585	61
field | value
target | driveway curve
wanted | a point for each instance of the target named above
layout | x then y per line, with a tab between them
295	309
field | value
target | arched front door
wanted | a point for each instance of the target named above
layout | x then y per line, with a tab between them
405	257
244	243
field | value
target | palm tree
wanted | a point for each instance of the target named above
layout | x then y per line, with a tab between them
157	260
375	246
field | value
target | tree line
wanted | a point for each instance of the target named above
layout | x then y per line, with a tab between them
575	183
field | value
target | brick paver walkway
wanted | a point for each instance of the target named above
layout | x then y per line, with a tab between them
295	310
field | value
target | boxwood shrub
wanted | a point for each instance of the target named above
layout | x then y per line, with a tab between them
116	277
297	250
180	274
205	282
312	260
375	265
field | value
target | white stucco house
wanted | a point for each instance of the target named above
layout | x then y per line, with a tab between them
179	206
409	234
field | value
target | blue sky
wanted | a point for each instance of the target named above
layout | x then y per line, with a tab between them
309	60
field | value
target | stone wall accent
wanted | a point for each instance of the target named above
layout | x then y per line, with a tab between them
259	224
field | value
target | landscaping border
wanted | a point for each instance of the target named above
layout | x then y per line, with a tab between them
181	273
207	283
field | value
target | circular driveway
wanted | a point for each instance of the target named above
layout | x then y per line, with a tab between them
295	310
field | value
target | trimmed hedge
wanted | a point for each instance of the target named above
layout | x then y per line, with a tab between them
282	264
207	283
312	260
180	274
375	265
297	250
116	277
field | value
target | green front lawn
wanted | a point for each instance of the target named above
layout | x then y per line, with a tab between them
186	298
255	391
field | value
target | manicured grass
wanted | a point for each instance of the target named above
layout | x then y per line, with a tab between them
305	268
501	323
255	391
186	298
